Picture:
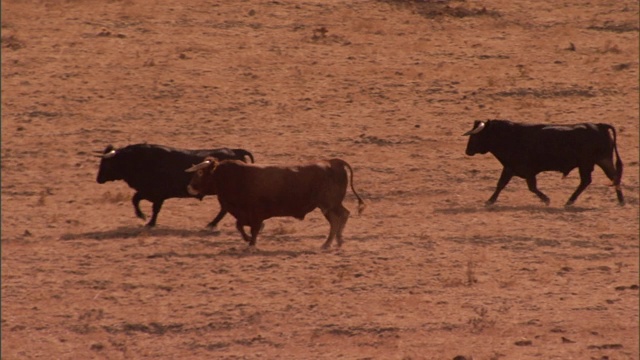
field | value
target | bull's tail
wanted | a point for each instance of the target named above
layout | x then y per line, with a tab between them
361	204
244	154
619	165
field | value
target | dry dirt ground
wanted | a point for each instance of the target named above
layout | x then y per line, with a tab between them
426	272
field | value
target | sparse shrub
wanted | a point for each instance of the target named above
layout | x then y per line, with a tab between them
482	321
320	33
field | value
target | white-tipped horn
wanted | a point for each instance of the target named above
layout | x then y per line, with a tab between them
110	154
476	130
197	167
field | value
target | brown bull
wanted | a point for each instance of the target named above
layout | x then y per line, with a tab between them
253	193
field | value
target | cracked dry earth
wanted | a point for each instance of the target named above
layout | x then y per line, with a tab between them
426	272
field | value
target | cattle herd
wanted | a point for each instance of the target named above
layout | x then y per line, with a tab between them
253	193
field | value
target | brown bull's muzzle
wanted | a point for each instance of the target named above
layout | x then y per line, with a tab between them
192	191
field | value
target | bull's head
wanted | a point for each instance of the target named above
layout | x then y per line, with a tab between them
478	141
202	180
108	166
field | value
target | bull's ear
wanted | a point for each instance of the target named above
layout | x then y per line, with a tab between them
215	162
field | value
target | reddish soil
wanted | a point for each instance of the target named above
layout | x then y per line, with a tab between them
426	272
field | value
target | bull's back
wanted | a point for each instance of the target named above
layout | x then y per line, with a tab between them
562	148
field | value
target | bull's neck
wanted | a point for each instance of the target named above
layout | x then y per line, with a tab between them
505	136
505	157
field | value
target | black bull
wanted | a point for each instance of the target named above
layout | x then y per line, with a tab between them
524	150
157	173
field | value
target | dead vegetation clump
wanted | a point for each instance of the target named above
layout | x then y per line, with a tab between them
12	42
616	28
482	321
319	36
432	9
548	93
284	229
153	328
114	198
610	48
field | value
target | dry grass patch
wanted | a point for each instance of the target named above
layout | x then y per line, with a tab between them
436	9
114	198
12	42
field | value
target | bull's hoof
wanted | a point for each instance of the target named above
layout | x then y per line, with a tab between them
214	231
569	203
327	244
489	203
251	249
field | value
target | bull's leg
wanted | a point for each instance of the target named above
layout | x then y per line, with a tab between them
619	194
135	200
157	205
533	187
240	228
255	229
607	166
506	175
585	180
343	214
333	218
217	219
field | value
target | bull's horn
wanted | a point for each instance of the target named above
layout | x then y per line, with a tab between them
110	154
197	167
476	130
